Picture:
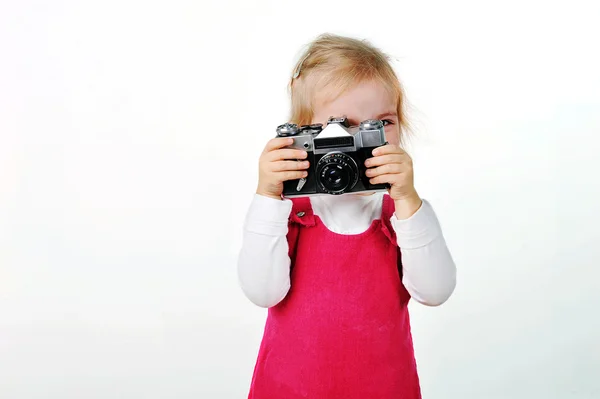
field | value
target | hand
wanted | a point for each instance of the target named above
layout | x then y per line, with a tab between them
275	167
391	164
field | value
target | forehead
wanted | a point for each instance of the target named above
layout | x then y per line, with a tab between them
361	101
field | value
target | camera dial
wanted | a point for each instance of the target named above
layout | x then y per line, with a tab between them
370	124
287	129
316	128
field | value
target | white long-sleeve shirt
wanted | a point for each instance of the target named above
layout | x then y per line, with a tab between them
429	272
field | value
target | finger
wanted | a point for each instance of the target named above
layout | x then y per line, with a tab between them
278	142
388	149
288	153
291	175
390	168
280	166
385	159
387	178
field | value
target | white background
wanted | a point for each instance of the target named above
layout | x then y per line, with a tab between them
129	138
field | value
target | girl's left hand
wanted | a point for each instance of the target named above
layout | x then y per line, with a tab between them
391	164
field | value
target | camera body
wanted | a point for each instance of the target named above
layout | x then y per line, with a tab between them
337	155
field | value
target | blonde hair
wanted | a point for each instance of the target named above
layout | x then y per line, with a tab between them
333	64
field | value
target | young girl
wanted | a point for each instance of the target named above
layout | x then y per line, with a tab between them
337	272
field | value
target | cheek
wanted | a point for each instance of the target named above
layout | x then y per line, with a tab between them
392	135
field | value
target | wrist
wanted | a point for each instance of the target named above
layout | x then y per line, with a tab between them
268	194
406	206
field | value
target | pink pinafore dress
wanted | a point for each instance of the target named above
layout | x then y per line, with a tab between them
343	329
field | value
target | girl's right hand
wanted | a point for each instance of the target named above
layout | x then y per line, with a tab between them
277	164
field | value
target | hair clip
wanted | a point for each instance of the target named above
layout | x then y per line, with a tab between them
297	71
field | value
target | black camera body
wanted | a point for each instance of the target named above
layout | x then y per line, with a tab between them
337	155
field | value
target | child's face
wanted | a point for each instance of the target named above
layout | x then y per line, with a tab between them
366	100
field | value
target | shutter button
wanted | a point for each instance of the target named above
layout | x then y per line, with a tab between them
300	214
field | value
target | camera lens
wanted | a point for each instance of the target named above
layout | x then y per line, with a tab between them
335	177
337	173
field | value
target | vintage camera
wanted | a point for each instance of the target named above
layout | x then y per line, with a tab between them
337	155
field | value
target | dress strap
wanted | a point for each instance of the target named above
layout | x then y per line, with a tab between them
301	216
387	211
302	212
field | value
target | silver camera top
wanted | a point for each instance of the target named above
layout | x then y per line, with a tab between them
338	134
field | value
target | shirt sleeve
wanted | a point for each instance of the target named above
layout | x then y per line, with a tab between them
263	261
429	272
